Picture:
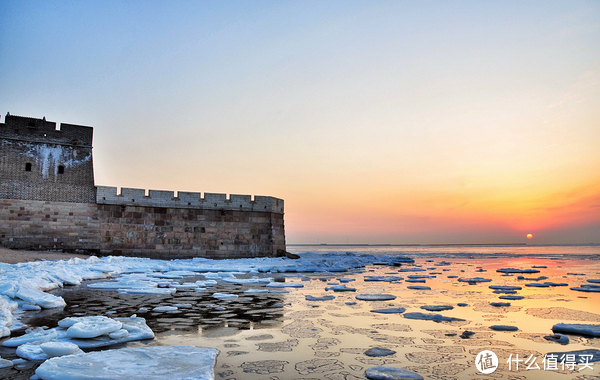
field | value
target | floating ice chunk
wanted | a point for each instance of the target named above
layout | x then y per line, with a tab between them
341	288
206	283
323	298
30	307
378	352
5	363
504	328
37	335
253	280
395	310
581	329
149	290
139	363
183	305
256	291
55	349
135	326
92	327
375	297
512	298
474	280
411	270
587	288
500	304
285	285
390	373
34	296
224	296
162	309
431	317
514	270
558	338
383	278
185	285
119	334
437	307
32	351
416	287
505	287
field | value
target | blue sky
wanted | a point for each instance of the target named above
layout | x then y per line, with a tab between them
376	121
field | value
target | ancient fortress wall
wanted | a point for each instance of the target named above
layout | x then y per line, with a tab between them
48	201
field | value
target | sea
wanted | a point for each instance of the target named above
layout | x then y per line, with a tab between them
443	316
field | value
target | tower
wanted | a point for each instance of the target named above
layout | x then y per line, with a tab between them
42	163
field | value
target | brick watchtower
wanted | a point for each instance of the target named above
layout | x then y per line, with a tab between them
42	163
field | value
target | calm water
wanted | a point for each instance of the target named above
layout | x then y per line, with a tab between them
457	250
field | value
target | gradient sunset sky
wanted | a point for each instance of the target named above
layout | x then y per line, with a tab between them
376	121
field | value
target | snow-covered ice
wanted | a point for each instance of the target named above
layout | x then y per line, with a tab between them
91	327
140	363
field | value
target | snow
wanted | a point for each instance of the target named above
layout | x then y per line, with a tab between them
140	363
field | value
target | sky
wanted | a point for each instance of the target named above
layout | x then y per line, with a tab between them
395	122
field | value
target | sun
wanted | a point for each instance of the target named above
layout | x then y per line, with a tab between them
529	236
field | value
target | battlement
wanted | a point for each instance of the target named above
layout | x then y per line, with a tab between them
41	131
184	199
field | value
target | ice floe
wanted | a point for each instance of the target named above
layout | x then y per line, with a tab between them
90	332
587	288
323	298
140	363
504	328
431	317
437	307
378	352
375	297
514	270
393	310
558	338
580	329
391	373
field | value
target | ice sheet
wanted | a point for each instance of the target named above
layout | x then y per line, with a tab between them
140	363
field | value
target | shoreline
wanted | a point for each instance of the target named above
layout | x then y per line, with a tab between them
13	256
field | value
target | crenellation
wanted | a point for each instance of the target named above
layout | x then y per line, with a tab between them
166	198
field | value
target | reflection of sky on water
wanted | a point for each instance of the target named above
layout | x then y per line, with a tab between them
331	336
295	338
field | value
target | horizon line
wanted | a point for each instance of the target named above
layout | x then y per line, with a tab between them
427	244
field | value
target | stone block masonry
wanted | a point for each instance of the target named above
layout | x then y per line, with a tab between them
48	200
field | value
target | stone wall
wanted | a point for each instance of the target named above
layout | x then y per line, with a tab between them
143	231
33	225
